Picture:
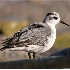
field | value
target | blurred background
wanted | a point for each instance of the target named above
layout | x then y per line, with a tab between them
17	14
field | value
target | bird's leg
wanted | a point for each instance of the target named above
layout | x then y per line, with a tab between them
29	55
34	55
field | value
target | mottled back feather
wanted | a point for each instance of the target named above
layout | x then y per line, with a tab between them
35	34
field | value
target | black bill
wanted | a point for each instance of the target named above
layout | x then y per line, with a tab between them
64	23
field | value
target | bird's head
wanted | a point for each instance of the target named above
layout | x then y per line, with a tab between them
53	18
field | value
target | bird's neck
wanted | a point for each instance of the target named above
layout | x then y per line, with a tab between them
52	27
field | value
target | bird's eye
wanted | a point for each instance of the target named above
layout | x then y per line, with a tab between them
55	18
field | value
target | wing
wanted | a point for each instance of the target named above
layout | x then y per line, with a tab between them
35	34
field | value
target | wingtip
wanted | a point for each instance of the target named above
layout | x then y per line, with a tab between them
1	49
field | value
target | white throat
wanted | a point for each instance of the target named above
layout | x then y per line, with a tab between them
52	27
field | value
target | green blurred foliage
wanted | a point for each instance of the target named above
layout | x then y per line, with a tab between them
63	40
9	28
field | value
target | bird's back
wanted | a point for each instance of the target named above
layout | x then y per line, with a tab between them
34	34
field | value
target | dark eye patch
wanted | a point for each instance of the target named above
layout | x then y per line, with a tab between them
55	18
50	14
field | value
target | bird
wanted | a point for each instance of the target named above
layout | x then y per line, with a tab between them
37	37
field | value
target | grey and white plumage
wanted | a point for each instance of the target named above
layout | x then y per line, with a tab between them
35	38
35	34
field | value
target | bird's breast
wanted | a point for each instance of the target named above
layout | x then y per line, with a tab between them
51	39
50	42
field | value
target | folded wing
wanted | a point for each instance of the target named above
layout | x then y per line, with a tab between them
35	34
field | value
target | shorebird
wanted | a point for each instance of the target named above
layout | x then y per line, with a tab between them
35	38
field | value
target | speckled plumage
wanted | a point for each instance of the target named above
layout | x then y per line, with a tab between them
35	34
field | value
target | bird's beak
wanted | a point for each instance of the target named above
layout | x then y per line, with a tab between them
64	23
